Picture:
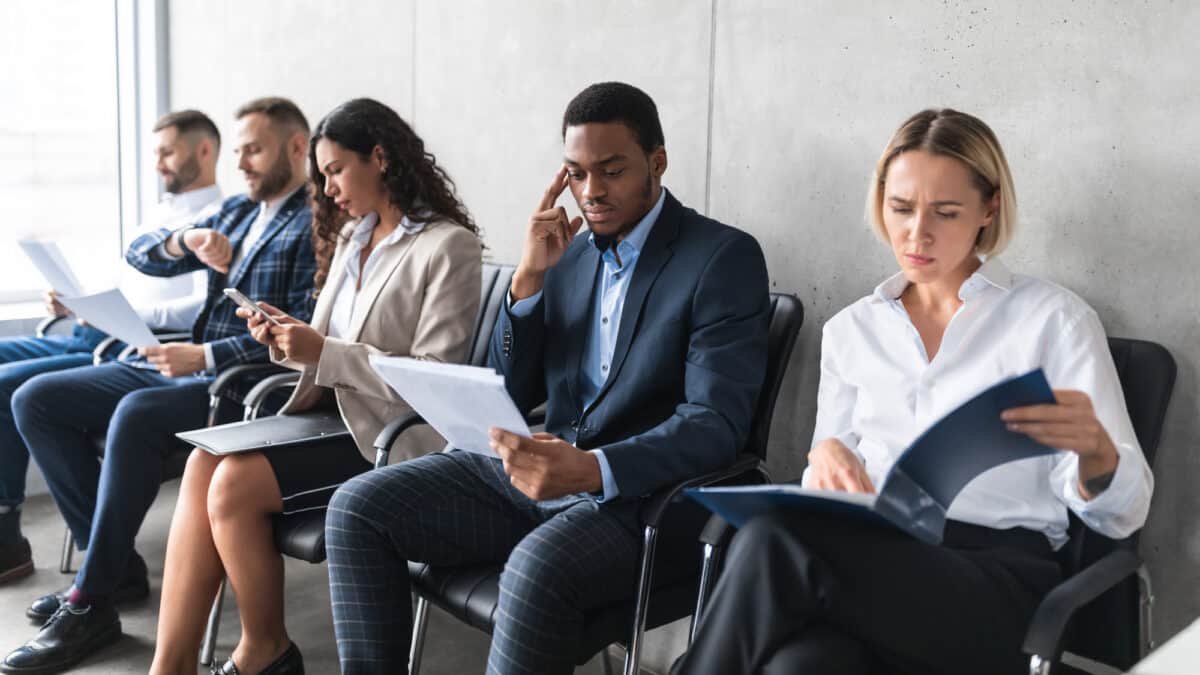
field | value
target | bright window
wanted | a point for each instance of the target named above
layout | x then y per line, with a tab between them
58	139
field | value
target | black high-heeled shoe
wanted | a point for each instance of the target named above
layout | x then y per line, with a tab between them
290	662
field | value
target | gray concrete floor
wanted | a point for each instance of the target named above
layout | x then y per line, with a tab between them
450	649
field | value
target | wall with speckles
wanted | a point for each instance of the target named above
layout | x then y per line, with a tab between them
774	115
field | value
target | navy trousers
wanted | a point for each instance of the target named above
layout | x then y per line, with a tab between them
20	359
104	502
561	558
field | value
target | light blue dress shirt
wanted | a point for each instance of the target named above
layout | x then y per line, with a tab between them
607	306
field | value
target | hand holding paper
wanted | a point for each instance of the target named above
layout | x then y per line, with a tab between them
462	403
545	466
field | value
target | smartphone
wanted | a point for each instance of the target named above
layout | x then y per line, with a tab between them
242	301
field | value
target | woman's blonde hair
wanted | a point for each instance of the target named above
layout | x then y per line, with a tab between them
965	138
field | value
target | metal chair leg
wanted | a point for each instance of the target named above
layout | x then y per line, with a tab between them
1038	666
1146	602
68	552
214	624
708	578
634	654
420	624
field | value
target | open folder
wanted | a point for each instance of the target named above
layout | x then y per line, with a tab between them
460	402
921	485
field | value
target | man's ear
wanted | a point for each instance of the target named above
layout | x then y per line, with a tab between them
299	145
658	162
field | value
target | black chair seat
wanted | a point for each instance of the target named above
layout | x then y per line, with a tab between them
302	535
471	594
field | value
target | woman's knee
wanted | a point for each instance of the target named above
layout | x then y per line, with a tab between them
241	485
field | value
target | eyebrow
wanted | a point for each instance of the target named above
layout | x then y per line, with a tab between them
607	160
944	202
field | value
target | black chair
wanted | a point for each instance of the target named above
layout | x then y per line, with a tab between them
302	535
1102	610
471	593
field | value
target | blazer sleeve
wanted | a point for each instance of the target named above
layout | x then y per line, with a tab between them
444	326
296	301
723	374
143	256
516	352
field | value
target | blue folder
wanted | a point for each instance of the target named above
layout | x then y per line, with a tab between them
921	485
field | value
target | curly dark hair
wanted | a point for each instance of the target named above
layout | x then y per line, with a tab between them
414	182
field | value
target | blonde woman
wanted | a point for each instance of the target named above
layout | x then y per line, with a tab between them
817	594
402	277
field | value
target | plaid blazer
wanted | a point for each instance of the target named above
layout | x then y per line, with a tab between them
278	270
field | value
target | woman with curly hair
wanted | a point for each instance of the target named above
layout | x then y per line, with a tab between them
398	273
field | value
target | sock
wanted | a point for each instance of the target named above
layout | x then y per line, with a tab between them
10	524
78	598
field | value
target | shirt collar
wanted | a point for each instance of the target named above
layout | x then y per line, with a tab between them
992	273
361	235
192	200
636	239
270	208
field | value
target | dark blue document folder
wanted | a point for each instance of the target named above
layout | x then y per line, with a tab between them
921	485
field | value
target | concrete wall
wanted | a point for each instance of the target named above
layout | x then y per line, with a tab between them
774	114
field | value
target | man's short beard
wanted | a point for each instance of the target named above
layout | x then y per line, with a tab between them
275	179
187	174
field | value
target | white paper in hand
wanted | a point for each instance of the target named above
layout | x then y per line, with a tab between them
460	402
110	312
49	260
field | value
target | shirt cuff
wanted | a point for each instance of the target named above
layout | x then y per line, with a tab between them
210	362
522	308
606	478
1116	499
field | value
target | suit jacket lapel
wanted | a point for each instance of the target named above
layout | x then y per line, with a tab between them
281	219
653	258
324	309
582	284
389	261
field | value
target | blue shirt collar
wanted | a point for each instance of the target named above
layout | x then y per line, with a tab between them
633	242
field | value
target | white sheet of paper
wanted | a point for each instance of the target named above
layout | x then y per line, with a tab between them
460	402
49	260
110	312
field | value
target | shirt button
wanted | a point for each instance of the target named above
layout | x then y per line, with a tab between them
604	320
604	367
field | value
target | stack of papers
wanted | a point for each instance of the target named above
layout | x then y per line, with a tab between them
462	403
108	311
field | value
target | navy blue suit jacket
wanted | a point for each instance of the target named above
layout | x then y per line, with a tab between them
690	356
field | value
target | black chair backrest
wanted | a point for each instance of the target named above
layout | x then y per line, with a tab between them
492	294
787	316
1108	629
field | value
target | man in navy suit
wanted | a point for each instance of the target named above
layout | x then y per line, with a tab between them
259	243
647	340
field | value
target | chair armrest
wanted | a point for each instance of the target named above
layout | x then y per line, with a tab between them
45	324
230	377
656	506
387	437
104	346
258	394
1045	634
536	417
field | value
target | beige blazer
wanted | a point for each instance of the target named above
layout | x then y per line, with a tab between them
420	300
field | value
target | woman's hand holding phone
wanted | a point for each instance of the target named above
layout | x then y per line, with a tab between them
297	340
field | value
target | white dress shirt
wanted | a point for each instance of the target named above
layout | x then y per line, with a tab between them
878	392
344	303
171	303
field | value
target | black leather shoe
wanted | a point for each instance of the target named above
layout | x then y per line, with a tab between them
71	635
135	587
16	560
289	663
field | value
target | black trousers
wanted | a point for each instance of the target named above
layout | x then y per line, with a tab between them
827	595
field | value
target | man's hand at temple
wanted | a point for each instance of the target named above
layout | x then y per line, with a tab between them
546	467
548	235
